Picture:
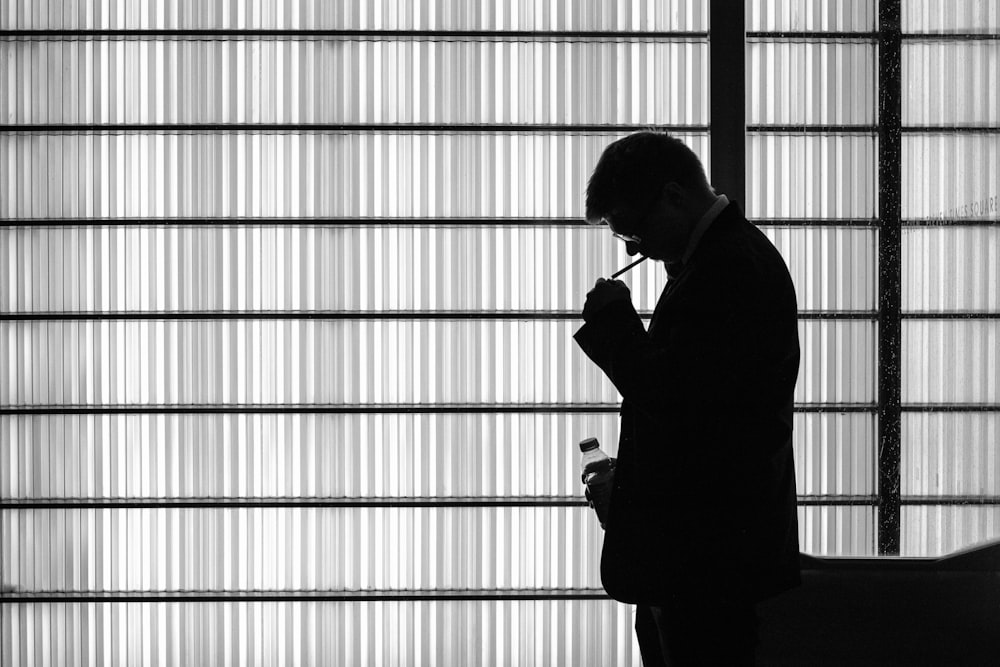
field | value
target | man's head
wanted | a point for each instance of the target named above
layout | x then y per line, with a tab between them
651	189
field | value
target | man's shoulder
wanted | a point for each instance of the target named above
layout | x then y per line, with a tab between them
739	246
742	265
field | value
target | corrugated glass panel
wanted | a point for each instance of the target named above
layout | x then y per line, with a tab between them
810	83
838	362
372	268
810	15
349	456
315	174
936	531
481	267
956	361
278	362
580	15
951	454
367	549
303	549
951	269
833	268
518	632
953	176
291	80
950	176
364	267
807	176
834	454
837	531
951	83
352	456
950	16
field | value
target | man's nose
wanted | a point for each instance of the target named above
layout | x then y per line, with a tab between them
631	248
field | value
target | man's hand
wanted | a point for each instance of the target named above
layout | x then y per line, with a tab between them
604	292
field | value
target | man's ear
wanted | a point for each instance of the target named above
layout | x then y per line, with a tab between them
674	193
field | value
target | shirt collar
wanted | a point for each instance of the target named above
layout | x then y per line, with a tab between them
711	214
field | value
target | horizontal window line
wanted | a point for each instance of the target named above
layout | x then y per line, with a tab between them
832	500
260	502
465	128
539	594
393	128
951	407
446	35
950	500
31	223
491	315
810	129
870	36
295	222
393	408
799	35
436	35
815	222
870	129
950	315
950	129
949	222
433	315
384	222
949	36
381	502
870	222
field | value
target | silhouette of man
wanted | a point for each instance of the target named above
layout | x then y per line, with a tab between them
702	521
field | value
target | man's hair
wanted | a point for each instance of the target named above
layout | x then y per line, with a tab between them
633	170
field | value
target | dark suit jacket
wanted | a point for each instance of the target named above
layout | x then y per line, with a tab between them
704	495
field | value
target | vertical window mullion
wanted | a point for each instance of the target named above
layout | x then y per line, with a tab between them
727	99
889	273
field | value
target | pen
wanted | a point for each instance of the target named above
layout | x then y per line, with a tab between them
621	271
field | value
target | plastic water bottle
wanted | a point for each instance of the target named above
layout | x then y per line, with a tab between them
599	476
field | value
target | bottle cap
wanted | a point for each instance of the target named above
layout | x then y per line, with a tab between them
589	444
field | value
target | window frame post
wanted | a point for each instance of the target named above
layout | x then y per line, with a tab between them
889	362
727	98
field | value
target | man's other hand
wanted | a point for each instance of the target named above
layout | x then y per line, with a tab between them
604	292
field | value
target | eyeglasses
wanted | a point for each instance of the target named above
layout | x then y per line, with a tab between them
643	222
627	238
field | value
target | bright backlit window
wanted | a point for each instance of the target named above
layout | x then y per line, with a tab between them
288	291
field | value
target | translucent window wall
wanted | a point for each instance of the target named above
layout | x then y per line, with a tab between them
286	316
288	368
811	182
812	171
951	286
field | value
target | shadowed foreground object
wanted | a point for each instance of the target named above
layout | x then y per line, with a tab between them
888	611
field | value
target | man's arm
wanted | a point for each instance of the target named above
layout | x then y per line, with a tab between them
725	354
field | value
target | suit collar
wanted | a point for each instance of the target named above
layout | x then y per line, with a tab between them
721	213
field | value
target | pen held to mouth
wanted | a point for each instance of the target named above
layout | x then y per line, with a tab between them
627	268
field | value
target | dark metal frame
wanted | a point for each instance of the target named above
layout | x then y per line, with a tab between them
372	409
503	315
436	35
446	222
306	128
438	408
890	262
727	91
471	128
541	595
455	502
321	502
410	315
